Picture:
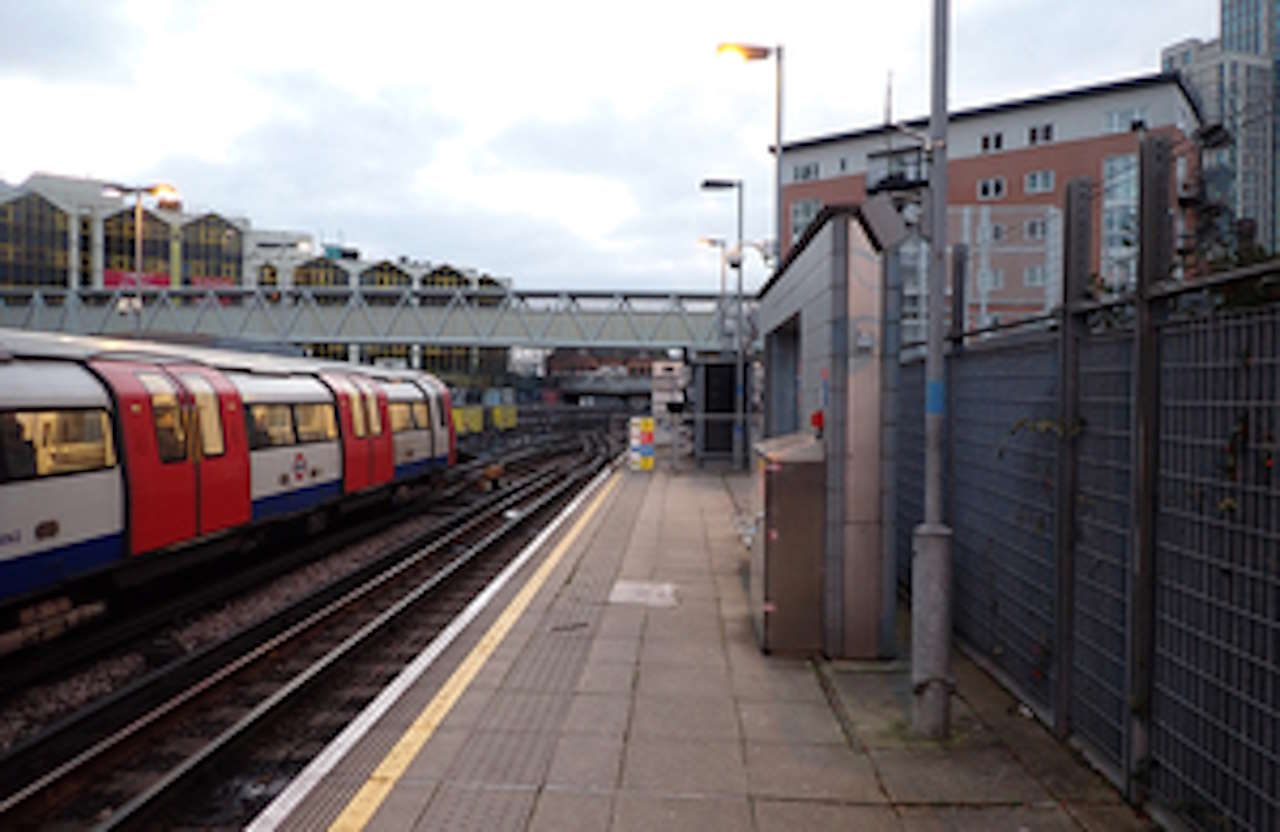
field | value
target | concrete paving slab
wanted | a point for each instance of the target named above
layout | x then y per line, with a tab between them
519	710
956	775
710	718
558	811
675	767
791	815
467	808
599	714
790	722
985	818
825	772
1115	817
645	813
502	759
684	682
606	677
586	762
682	653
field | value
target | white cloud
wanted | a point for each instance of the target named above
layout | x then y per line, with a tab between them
197	86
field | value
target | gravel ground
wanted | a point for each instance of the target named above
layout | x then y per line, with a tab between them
35	709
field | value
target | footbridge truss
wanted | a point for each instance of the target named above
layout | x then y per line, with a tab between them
436	316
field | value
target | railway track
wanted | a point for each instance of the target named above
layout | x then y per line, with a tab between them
122	762
135	616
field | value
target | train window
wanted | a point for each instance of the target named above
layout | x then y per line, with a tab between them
211	439
171	436
315	422
400	415
375	421
49	442
270	425
422	415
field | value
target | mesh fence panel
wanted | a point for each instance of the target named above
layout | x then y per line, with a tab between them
1215	741
910	463
1102	542
1005	468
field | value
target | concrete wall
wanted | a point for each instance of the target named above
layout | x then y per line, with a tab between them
827	307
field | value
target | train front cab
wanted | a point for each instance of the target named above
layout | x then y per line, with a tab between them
61	490
185	450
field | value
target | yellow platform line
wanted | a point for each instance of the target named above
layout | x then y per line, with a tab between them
357	813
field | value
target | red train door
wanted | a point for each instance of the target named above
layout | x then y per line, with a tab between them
222	458
160	471
381	463
357	465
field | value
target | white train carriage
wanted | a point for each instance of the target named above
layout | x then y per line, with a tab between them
61	490
295	457
413	439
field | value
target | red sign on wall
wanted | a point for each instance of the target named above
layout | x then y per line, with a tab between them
112	278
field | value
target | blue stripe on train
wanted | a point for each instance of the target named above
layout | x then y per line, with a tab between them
410	470
291	501
41	569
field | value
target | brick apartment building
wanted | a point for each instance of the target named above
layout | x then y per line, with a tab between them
1008	166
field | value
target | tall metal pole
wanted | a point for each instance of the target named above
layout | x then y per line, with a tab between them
931	563
739	457
724	301
137	256
777	144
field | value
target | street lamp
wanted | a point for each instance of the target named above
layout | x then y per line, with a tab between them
750	52
721	246
739	457
161	190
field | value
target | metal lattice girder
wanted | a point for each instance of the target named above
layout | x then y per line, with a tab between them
436	316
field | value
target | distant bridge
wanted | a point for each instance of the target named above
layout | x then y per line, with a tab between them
648	320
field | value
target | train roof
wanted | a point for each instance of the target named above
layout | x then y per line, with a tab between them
49	384
293	389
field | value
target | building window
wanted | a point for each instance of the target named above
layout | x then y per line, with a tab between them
805	172
1119	220
992	233
1129	118
844	164
990	279
1038	182
992	141
212	252
1033	135
802	213
33	242
1035	229
992	188
1033	277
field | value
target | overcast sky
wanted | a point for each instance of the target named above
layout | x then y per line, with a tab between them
559	144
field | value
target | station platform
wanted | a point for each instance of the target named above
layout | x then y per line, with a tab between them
614	683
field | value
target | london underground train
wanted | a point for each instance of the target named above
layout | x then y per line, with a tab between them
115	449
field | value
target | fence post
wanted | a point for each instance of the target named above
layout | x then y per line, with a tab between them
1153	266
1077	245
959	304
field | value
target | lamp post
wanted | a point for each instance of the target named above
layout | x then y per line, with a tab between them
721	246
115	189
739	397
750	52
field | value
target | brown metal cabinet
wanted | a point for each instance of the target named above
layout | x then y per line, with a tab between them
786	555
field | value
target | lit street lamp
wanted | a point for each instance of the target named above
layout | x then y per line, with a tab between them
739	457
750	52
115	189
720	245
